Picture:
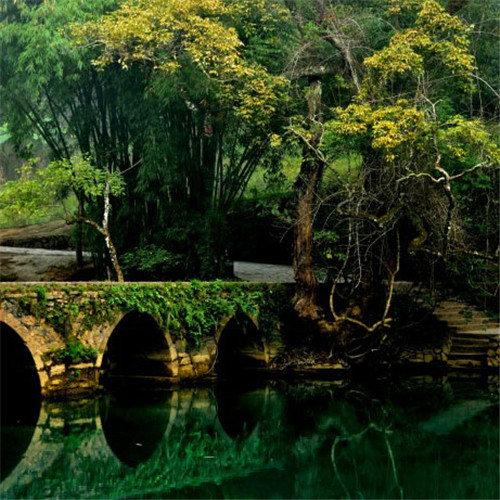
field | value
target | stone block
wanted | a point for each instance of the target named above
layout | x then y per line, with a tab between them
201	358
57	422
29	321
202	368
428	357
44	378
82	366
57	370
185	361
172	368
186	371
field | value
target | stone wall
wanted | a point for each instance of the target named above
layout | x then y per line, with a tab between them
67	333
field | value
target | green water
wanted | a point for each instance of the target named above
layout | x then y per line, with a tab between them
412	438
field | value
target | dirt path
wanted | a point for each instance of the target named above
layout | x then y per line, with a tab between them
35	264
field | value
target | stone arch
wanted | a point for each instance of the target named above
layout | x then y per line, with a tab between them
136	346
240	344
253	319
39	339
20	394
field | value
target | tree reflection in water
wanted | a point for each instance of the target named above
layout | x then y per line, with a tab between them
281	440
383	427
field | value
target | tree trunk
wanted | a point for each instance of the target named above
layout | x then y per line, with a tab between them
79	232
311	171
107	235
113	256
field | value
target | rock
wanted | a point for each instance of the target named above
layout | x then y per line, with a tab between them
57	370
82	366
201	358
186	371
428	358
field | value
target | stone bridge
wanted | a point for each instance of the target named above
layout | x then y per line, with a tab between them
69	338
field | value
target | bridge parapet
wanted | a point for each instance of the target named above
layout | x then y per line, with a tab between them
169	331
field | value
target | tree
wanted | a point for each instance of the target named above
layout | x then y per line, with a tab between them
327	55
48	87
415	144
213	110
35	191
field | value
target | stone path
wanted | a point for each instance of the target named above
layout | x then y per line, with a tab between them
263	273
40	252
475	339
37	264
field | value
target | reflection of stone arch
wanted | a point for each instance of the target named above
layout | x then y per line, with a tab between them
36	457
240	410
240	344
136	339
134	428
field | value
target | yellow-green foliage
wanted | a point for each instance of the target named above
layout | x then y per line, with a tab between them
437	39
436	46
389	127
463	139
178	35
37	191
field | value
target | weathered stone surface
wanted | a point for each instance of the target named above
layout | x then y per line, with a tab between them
44	378
82	366
172	368
186	371
186	360
57	370
201	358
57	422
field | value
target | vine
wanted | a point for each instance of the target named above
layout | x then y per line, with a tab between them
190	310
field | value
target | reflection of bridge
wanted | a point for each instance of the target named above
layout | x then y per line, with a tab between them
175	439
163	331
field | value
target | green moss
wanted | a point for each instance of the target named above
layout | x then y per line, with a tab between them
189	310
74	352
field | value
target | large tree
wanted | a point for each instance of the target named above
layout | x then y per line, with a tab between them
418	144
324	63
213	108
48	87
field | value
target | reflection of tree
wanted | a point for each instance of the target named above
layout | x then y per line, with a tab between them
384	429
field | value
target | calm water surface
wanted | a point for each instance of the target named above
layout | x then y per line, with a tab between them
416	438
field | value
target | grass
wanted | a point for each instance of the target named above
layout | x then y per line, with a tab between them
345	167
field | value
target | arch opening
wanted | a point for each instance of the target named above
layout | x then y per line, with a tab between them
20	398
240	407
240	348
137	348
135	424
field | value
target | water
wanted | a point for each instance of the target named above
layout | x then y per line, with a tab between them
413	438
